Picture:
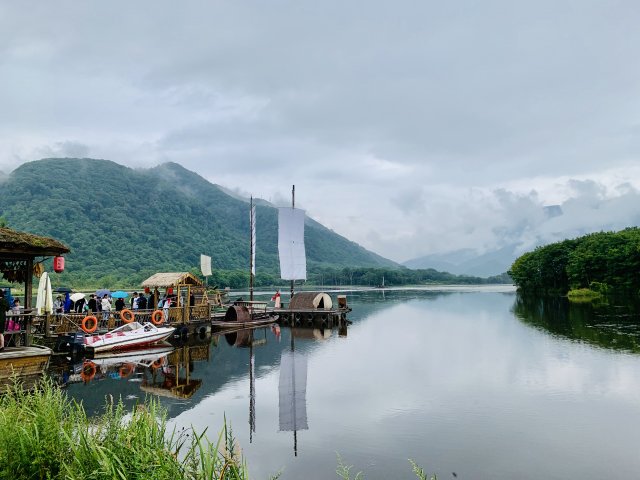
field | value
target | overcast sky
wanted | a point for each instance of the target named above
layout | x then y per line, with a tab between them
409	127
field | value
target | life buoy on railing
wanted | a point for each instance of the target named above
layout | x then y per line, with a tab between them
127	315
89	324
126	370
158	363
88	371
157	317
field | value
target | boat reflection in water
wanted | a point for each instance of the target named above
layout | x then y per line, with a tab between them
162	370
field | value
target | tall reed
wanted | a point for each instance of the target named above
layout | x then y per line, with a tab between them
44	435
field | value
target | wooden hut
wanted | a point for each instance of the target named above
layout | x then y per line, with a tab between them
188	295
21	256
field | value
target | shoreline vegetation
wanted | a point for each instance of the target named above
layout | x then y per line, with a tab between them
45	435
324	278
585	268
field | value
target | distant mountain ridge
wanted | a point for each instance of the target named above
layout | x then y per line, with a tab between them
468	262
129	223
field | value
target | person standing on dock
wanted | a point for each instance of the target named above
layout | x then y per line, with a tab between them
276	299
119	304
93	304
4	308
106	308
134	301
142	302
166	303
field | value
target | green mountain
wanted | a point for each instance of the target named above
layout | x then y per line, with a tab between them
124	224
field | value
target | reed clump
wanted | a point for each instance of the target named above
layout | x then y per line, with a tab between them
45	435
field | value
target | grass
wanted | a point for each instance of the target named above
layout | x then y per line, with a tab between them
44	435
344	471
583	295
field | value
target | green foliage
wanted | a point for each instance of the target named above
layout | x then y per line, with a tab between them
45	435
123	225
603	260
583	295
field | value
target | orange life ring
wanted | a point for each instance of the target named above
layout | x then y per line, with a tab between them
127	315
88	371
126	370
155	319
85	324
158	363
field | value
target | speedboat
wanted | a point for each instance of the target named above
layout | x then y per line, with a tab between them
129	335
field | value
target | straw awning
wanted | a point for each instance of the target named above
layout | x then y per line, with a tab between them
171	279
20	244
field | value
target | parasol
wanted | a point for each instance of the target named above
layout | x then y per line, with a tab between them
102	292
120	294
76	296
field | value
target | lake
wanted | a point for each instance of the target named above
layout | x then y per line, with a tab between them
469	382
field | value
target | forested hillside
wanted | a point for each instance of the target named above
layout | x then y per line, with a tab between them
124	224
604	261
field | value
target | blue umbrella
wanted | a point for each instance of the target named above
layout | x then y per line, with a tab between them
102	292
120	294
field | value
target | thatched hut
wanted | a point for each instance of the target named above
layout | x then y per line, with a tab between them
189	296
21	255
310	301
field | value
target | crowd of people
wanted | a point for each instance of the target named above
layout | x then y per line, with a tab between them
105	303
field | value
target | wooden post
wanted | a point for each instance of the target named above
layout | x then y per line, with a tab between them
293	205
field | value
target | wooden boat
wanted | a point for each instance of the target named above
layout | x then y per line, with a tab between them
129	335
240	316
24	364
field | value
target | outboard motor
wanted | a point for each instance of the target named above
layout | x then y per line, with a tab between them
72	343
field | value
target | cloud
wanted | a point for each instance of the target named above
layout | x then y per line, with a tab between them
410	128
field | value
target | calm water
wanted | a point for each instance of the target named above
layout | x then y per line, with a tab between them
474	381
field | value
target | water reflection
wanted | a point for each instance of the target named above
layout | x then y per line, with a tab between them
613	323
449	379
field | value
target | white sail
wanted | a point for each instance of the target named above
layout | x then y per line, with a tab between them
205	265
252	220
293	260
292	389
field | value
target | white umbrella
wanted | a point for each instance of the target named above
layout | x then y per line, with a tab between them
44	300
76	296
48	304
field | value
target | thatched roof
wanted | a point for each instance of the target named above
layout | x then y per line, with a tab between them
14	244
310	300
171	279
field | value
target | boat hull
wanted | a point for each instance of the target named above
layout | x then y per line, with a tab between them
25	364
128	342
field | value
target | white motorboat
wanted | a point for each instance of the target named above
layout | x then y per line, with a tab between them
129	335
